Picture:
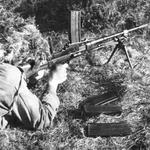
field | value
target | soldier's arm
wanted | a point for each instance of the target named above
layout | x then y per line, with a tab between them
36	114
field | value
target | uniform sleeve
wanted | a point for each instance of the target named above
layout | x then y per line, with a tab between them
49	108
52	102
33	113
26	107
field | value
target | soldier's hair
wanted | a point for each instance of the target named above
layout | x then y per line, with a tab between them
52	70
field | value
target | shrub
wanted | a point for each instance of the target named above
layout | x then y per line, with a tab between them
20	38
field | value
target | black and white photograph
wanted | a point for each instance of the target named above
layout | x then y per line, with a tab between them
74	74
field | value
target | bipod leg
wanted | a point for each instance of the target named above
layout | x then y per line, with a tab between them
127	55
115	49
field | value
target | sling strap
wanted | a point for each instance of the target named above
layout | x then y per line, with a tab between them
17	92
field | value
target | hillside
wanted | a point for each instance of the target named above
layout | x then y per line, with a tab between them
25	26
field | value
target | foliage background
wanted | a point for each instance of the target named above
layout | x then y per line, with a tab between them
25	26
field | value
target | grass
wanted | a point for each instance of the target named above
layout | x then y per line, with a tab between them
88	76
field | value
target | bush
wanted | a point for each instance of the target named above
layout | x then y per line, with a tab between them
104	15
20	38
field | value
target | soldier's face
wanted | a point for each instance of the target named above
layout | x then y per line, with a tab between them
61	72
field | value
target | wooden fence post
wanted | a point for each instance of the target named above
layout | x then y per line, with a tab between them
75	26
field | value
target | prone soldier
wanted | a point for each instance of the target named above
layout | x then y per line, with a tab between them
19	106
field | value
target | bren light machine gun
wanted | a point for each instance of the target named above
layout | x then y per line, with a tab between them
80	48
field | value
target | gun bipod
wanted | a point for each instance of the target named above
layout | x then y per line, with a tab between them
120	46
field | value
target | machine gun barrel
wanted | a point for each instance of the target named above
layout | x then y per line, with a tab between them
121	33
77	49
97	42
94	43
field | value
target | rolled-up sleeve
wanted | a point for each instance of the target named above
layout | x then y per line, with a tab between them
25	107
33	113
48	108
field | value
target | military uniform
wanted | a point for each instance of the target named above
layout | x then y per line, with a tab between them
19	105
